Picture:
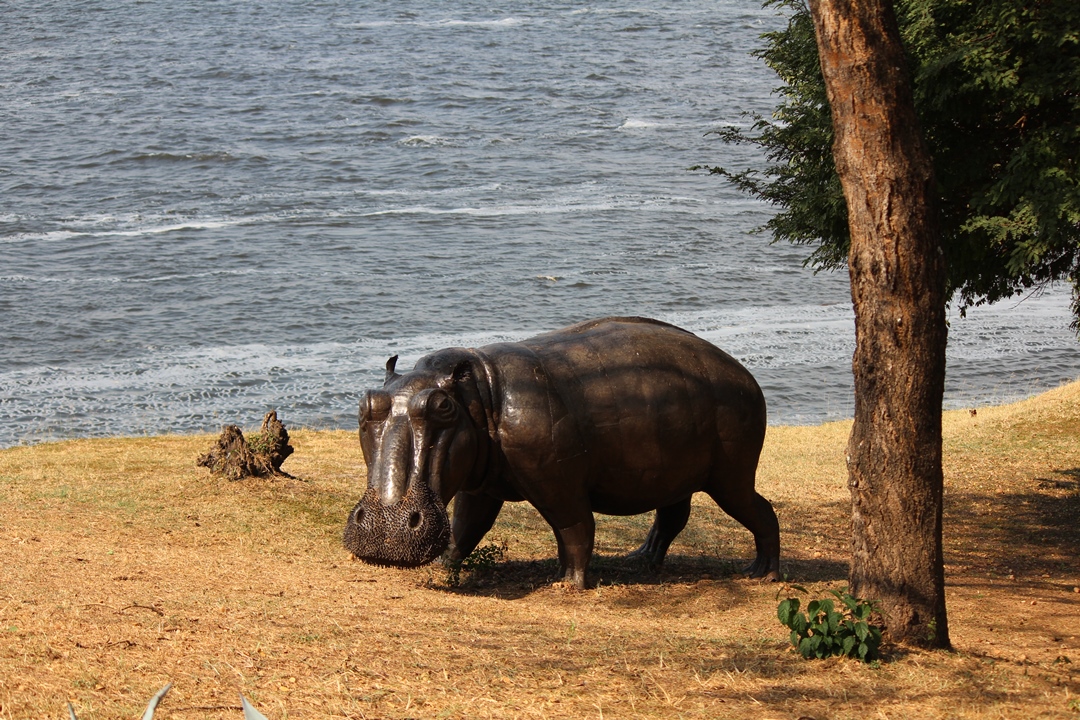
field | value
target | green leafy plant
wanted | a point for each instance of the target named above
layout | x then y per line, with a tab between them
829	628
482	558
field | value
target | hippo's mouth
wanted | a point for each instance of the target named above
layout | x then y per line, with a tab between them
410	533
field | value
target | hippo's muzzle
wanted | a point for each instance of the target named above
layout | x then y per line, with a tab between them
415	440
410	533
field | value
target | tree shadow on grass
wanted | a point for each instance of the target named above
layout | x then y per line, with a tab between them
815	571
515	579
1033	533
791	686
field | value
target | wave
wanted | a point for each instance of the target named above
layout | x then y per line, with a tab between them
149	228
191	225
680	205
615	11
51	236
84	279
580	199
501	23
636	124
423	192
179	157
427	141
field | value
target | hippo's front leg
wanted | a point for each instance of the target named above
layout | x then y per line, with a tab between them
474	514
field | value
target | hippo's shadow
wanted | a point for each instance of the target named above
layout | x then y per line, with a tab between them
515	579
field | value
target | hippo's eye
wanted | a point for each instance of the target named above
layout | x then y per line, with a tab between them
440	407
374	406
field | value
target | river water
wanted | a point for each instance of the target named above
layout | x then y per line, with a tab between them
210	209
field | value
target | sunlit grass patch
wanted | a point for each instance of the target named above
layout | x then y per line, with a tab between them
123	566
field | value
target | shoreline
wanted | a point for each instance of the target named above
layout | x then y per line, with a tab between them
964	408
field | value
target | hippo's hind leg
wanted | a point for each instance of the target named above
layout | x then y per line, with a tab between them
575	550
767	542
473	517
669	522
755	513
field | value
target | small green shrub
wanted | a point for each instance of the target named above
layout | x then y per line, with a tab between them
482	558
823	630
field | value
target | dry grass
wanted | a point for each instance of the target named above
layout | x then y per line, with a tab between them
123	566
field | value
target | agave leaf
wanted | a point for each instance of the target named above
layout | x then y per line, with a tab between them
149	714
250	713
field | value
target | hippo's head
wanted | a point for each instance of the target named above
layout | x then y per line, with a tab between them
424	437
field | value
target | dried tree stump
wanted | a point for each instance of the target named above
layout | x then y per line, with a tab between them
236	458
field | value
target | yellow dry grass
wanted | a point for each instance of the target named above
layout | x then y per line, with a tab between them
124	566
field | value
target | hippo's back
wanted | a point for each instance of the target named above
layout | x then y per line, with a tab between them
636	407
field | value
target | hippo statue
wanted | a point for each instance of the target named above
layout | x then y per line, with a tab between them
618	416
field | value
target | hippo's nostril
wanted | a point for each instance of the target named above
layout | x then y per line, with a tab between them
357	516
414	519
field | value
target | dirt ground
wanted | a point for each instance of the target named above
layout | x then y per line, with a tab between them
123	566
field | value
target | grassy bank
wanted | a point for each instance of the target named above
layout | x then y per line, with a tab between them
124	566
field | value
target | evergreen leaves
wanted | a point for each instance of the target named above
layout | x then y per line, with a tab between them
997	89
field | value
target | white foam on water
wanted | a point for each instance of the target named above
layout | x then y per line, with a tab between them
177	227
372	24
777	336
425	192
627	204
426	141
87	279
638	124
71	280
141	226
501	23
51	236
614	11
801	355
495	24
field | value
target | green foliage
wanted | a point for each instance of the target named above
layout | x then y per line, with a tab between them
482	558
997	90
824	631
262	443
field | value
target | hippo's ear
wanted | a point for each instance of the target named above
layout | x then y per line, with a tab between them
456	377
469	382
390	365
463	372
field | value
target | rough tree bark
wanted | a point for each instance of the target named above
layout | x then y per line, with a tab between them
898	289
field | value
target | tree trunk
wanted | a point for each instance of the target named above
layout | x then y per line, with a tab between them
898	290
